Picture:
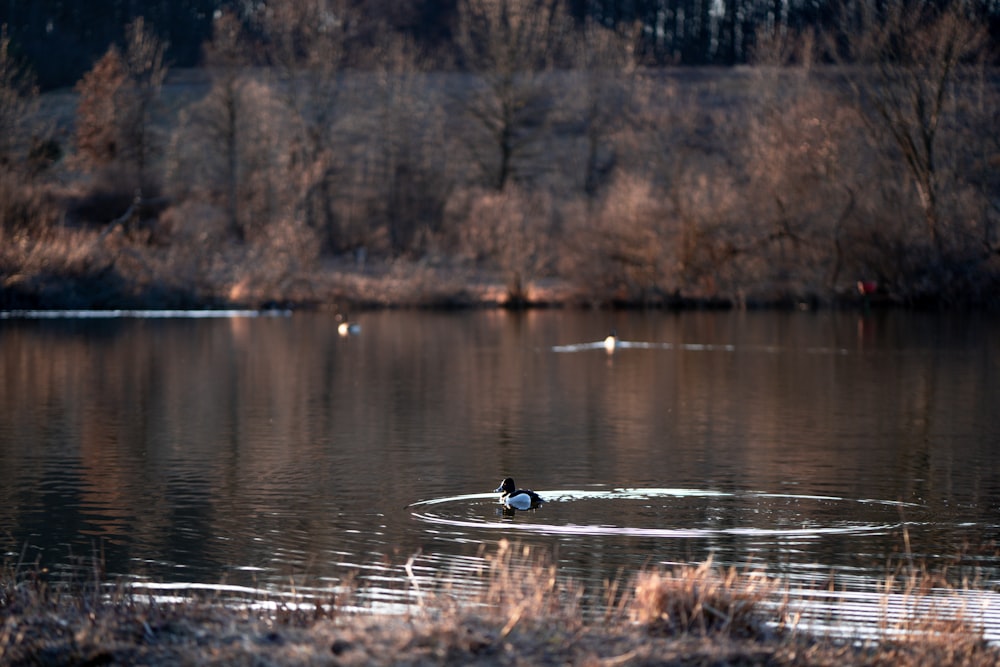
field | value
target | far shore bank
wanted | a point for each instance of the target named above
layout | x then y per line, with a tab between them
667	188
342	286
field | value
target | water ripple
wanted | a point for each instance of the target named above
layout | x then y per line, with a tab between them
780	513
693	347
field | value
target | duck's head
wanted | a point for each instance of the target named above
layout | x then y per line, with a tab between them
506	486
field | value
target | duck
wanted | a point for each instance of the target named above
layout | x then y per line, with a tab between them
347	328
521	499
610	342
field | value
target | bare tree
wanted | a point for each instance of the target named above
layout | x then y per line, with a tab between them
146	71
907	60
20	204
219	118
606	64
510	231
17	97
803	158
674	142
307	42
509	46
406	131
240	149
97	128
115	114
358	143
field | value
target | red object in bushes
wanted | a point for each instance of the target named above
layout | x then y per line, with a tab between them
867	287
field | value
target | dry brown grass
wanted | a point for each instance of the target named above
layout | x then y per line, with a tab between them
704	600
922	611
524	585
184	260
526	613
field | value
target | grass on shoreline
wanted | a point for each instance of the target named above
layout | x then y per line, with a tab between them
525	615
76	269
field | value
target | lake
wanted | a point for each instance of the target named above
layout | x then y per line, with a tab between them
270	453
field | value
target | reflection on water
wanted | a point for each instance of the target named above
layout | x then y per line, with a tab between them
258	452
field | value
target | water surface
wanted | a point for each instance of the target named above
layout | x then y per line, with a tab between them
273	453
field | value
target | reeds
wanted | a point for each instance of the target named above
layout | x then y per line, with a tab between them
704	600
524	584
525	611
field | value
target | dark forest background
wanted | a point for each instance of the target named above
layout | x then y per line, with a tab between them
61	39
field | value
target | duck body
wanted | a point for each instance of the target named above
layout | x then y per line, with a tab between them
345	327
610	342
348	329
521	499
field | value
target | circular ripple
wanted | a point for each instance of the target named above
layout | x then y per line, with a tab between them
671	513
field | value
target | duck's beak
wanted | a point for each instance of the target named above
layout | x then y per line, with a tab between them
498	489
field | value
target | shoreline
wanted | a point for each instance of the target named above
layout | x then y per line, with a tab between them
338	286
690	615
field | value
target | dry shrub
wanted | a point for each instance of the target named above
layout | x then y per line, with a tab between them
644	244
524	584
255	276
510	231
703	600
804	163
924	608
196	226
527	614
280	261
68	252
60	268
200	259
275	268
621	250
107	198
707	235
25	204
193	258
